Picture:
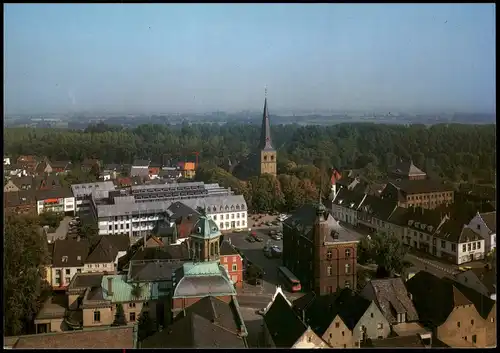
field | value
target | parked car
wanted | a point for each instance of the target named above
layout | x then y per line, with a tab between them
276	251
272	232
269	224
250	239
237	230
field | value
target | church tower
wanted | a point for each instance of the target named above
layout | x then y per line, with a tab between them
205	240
266	149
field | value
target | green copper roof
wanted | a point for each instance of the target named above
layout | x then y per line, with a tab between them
201	269
122	291
206	228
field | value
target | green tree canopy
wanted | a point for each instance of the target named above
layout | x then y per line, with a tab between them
51	219
120	319
386	251
146	326
25	256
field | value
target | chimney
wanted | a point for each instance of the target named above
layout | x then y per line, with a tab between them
110	286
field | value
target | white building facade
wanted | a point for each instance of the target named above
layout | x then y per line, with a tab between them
56	204
484	224
140	218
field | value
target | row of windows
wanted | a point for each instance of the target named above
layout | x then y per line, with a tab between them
234	267
131	315
233	259
471	246
347	269
234	224
66	280
347	254
431	196
227	208
227	216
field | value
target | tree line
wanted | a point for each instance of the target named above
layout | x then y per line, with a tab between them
453	151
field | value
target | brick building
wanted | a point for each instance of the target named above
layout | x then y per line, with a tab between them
318	251
426	193
232	262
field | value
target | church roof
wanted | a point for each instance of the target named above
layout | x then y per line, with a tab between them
206	228
200	279
266	142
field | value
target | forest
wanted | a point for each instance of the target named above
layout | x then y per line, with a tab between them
454	152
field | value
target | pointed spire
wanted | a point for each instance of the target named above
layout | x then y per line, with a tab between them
265	142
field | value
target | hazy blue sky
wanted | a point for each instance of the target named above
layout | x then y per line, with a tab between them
191	57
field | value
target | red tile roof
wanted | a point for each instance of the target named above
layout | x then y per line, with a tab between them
109	337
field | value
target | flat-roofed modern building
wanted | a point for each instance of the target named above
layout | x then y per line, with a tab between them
83	193
136	212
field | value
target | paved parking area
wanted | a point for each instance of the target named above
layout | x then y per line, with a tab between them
255	254
61	231
258	221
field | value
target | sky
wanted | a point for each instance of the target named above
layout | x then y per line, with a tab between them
62	58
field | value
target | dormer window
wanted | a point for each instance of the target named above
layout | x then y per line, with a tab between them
79	258
64	259
198	230
410	222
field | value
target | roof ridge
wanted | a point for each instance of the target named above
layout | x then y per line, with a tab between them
457	293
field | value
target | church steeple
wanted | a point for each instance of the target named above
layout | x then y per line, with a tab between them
266	151
266	142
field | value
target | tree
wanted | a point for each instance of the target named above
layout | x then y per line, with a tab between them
364	252
386	251
293	194
51	219
24	271
491	259
136	290
146	326
89	231
120	319
254	273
